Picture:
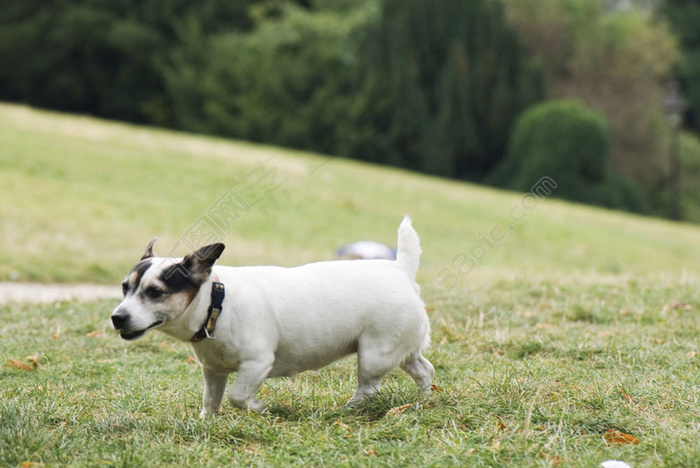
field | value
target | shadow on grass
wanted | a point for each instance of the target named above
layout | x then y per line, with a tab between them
367	410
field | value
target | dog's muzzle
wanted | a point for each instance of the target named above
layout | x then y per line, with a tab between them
120	321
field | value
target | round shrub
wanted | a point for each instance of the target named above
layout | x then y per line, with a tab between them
571	144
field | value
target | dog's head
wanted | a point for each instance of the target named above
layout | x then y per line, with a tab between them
158	290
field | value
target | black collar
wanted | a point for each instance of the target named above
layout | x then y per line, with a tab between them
217	299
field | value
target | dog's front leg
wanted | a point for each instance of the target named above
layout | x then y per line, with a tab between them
214	386
250	376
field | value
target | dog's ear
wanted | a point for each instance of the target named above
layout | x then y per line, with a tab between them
199	264
149	250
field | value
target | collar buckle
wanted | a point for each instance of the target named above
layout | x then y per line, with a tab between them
218	293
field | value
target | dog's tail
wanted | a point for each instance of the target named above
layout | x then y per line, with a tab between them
408	248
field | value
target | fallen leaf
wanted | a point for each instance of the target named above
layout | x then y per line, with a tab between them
617	437
191	360
691	354
496	446
659	341
430	309
554	460
15	364
34	360
399	409
501	425
544	326
625	311
371	452
28	464
435	388
625	395
676	306
93	334
604	334
56	336
444	341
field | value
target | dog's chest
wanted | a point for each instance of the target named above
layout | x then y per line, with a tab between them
215	355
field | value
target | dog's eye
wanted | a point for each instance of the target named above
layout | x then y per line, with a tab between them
153	292
125	288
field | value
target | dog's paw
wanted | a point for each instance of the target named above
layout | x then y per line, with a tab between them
255	405
208	412
355	401
251	404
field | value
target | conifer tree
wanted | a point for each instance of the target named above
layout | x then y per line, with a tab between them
443	81
684	16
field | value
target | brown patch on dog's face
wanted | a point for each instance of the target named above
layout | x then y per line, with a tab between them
194	270
178	280
166	303
131	283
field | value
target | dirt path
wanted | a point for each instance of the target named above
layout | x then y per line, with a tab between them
38	293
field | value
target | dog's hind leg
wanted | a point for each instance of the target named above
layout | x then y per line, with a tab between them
374	361
214	386
420	369
250	376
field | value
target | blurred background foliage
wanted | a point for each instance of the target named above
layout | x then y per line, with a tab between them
571	144
443	87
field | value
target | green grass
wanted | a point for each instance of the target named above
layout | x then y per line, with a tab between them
579	321
81	198
533	372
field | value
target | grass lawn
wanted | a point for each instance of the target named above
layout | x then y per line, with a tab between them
539	371
562	335
80	198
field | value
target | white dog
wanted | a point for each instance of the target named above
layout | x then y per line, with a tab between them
266	321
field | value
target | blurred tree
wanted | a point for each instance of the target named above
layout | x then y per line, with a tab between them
442	82
645	5
571	144
616	63
288	82
100	57
684	16
690	182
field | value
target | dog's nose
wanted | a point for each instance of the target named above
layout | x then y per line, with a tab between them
119	318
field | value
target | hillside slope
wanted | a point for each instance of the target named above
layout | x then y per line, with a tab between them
80	198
